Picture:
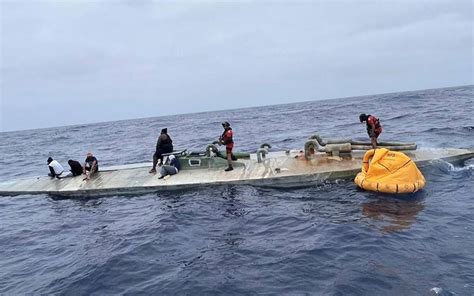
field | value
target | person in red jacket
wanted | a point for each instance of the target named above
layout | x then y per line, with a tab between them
227	140
374	129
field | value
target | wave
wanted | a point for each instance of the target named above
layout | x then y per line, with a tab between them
399	116
441	292
59	138
449	129
403	97
449	168
452	168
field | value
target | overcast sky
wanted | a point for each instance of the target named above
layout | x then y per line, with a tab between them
70	62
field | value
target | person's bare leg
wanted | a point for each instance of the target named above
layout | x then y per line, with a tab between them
229	162
155	162
374	142
93	170
90	173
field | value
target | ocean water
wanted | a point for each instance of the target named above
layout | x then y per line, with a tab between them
323	239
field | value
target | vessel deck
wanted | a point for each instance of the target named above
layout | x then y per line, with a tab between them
277	170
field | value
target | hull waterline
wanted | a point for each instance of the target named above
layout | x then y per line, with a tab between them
278	169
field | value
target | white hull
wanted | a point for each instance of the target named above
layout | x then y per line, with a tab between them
279	169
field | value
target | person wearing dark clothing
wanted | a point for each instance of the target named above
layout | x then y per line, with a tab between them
163	145
227	140
91	165
76	167
172	168
374	128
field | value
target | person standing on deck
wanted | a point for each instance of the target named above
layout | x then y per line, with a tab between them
227	140
374	129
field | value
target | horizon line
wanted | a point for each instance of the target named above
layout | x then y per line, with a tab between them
246	107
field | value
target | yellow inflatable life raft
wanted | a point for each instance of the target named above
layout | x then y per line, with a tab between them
390	172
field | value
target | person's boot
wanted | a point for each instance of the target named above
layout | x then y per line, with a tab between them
230	168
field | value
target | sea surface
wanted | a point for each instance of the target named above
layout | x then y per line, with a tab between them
322	239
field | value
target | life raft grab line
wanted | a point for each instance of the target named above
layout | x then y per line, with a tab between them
409	161
384	167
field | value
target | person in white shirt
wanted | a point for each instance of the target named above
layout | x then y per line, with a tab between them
55	168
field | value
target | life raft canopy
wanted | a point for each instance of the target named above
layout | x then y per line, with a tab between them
390	172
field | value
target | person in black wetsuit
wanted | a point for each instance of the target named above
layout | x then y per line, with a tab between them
163	145
76	167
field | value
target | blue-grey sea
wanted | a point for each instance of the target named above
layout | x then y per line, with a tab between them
321	239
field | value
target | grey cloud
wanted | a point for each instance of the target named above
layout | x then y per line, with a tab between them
135	57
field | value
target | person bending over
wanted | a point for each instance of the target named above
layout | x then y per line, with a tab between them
374	129
76	167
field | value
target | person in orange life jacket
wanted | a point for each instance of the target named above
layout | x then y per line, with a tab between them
163	145
227	140
374	129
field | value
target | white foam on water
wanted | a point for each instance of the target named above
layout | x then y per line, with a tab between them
436	291
451	168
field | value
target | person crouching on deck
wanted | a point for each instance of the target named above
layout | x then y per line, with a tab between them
91	165
76	167
55	168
